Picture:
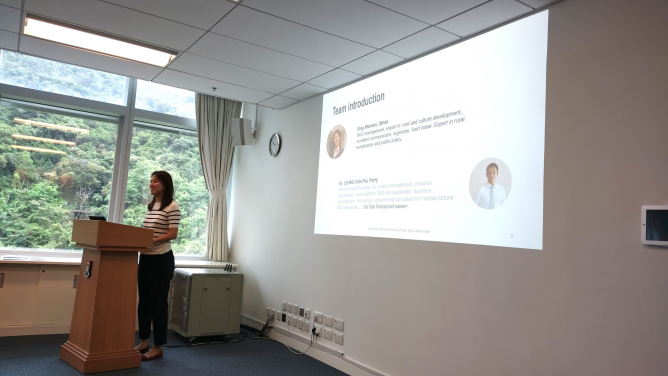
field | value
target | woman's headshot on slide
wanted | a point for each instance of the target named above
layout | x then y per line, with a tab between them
336	141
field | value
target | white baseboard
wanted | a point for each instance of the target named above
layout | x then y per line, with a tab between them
324	354
33	330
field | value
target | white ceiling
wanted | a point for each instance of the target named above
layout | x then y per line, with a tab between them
273	53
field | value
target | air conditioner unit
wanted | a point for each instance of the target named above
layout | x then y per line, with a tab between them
242	132
204	302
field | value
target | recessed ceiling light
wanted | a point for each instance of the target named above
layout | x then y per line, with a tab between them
41	139
40	150
95	41
52	126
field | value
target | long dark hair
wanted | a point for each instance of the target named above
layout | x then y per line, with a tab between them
168	189
332	146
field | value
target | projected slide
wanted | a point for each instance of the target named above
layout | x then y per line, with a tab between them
449	147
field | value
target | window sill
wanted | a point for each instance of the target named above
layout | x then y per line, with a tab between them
74	258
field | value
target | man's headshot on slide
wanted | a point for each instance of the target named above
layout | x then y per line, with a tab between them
492	194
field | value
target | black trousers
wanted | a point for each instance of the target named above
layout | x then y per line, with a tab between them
155	273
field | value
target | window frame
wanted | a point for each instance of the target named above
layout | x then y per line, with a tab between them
126	116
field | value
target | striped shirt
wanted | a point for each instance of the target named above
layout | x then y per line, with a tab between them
161	221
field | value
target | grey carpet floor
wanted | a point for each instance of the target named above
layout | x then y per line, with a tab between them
39	355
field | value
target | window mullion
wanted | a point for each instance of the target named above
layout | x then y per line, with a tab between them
122	157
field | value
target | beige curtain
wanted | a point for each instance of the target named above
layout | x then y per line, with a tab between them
215	149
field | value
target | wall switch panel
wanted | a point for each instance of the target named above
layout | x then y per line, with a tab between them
318	329
295	309
268	311
307	326
338	338
328	321
290	307
285	306
307	313
301	311
318	317
283	317
289	320
327	333
294	321
300	323
338	324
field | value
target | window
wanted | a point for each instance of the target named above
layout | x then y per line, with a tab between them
57	164
165	99
34	73
53	169
178	154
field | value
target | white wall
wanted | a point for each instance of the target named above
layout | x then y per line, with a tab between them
593	302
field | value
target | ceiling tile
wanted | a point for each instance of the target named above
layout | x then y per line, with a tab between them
372	62
356	20
118	20
75	56
484	16
205	85
421	42
10	19
255	57
429	11
289	37
303	91
11	3
334	78
199	13
278	102
539	3
232	74
9	40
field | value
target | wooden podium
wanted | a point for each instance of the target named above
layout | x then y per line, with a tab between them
102	334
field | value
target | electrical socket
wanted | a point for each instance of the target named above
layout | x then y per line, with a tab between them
295	309
273	312
318	317
285	306
289	307
329	321
338	324
327	333
301	311
300	324
294	321
289	320
268	311
307	326
318	329
338	338
307	313
283	315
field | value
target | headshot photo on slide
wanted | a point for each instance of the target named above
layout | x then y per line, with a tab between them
490	183
336	141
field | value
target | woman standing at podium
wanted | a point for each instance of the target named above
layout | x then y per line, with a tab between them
156	267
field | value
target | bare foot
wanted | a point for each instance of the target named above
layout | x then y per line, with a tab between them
143	345
154	351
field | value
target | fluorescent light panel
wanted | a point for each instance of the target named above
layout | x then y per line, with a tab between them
40	139
28	148
52	126
95	42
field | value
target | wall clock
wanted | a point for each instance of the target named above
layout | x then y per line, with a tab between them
274	144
